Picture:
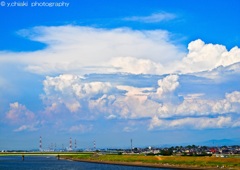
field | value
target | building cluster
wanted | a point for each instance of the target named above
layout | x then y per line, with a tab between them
190	150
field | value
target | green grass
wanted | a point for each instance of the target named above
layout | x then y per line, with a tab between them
231	162
114	158
204	161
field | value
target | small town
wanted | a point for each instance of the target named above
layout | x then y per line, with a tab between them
190	150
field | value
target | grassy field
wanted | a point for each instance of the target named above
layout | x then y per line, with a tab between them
187	161
116	158
203	161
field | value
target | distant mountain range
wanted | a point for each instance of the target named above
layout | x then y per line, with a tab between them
212	142
221	142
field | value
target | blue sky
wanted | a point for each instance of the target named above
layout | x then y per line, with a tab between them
158	72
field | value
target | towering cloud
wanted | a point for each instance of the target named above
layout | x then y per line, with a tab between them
162	104
167	85
203	57
72	92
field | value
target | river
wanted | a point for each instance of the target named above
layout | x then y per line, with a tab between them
51	163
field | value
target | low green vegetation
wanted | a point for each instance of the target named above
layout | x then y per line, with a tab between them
196	161
114	158
202	161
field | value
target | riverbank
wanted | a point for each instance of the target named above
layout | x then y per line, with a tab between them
139	164
173	162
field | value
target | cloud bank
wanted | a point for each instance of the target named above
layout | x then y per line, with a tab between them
80	50
87	49
74	51
162	105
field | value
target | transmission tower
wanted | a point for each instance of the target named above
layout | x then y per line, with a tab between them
40	143
94	145
131	146
70	144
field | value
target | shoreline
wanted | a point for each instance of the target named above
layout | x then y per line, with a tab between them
141	164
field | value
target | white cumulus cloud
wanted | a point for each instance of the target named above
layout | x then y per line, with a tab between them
19	114
72	92
136	66
114	101
167	85
202	57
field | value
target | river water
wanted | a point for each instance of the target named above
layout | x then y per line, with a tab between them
51	163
